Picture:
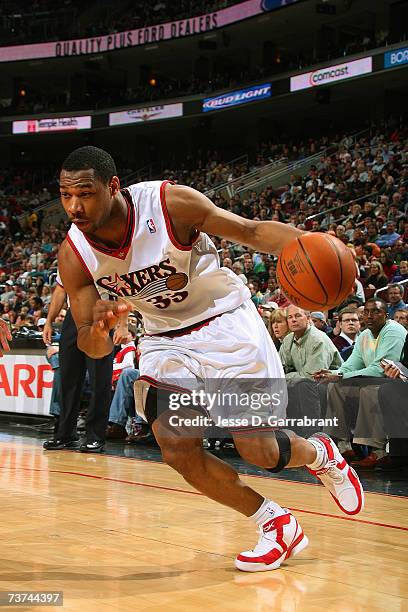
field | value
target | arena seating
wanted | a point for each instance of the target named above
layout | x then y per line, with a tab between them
367	169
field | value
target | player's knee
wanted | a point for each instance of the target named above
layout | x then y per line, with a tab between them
263	455
179	454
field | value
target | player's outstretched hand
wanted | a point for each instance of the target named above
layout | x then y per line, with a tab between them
106	315
5	335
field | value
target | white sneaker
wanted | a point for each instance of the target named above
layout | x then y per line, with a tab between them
341	480
279	539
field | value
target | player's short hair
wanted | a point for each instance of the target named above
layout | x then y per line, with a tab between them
91	158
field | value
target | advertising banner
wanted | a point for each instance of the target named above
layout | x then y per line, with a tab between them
331	74
238	97
143	36
396	57
147	113
25	384
55	124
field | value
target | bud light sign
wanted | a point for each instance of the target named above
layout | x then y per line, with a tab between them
396	57
236	98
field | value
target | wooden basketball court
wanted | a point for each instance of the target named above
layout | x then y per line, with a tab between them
123	534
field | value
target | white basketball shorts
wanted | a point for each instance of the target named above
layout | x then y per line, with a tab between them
232	355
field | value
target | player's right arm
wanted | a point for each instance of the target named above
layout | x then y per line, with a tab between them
93	317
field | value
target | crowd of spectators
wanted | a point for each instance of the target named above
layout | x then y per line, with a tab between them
367	174
355	190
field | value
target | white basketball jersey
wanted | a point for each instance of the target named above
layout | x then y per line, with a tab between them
172	285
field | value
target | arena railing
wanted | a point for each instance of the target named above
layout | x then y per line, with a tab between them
229	188
277	177
300	165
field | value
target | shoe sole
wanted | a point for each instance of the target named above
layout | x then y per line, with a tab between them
300	544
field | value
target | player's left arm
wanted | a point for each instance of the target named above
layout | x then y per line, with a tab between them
189	209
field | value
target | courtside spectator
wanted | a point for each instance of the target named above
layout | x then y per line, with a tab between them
395	295
357	378
349	325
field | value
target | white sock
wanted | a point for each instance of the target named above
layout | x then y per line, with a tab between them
321	454
267	511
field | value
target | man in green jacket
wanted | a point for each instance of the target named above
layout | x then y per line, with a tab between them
304	350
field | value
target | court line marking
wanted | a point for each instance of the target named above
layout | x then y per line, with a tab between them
176	490
301	482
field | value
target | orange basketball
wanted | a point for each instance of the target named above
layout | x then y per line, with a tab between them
316	271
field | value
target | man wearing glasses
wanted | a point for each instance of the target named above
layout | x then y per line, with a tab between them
350	327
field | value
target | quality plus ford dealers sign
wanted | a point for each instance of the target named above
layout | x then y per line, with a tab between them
235	98
331	74
396	57
143	36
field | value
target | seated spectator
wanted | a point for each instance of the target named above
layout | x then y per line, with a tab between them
390	237
319	320
303	350
125	357
395	295
389	267
270	293
401	317
305	347
402	273
349	326
122	408
359	378
256	295
237	267
278	326
376	278
46	295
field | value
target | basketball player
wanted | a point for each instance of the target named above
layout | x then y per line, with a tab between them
202	324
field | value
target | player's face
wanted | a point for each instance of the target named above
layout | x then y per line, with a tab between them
86	199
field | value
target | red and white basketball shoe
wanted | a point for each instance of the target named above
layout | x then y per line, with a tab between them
337	476
279	539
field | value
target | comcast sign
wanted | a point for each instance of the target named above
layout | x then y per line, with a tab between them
331	74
